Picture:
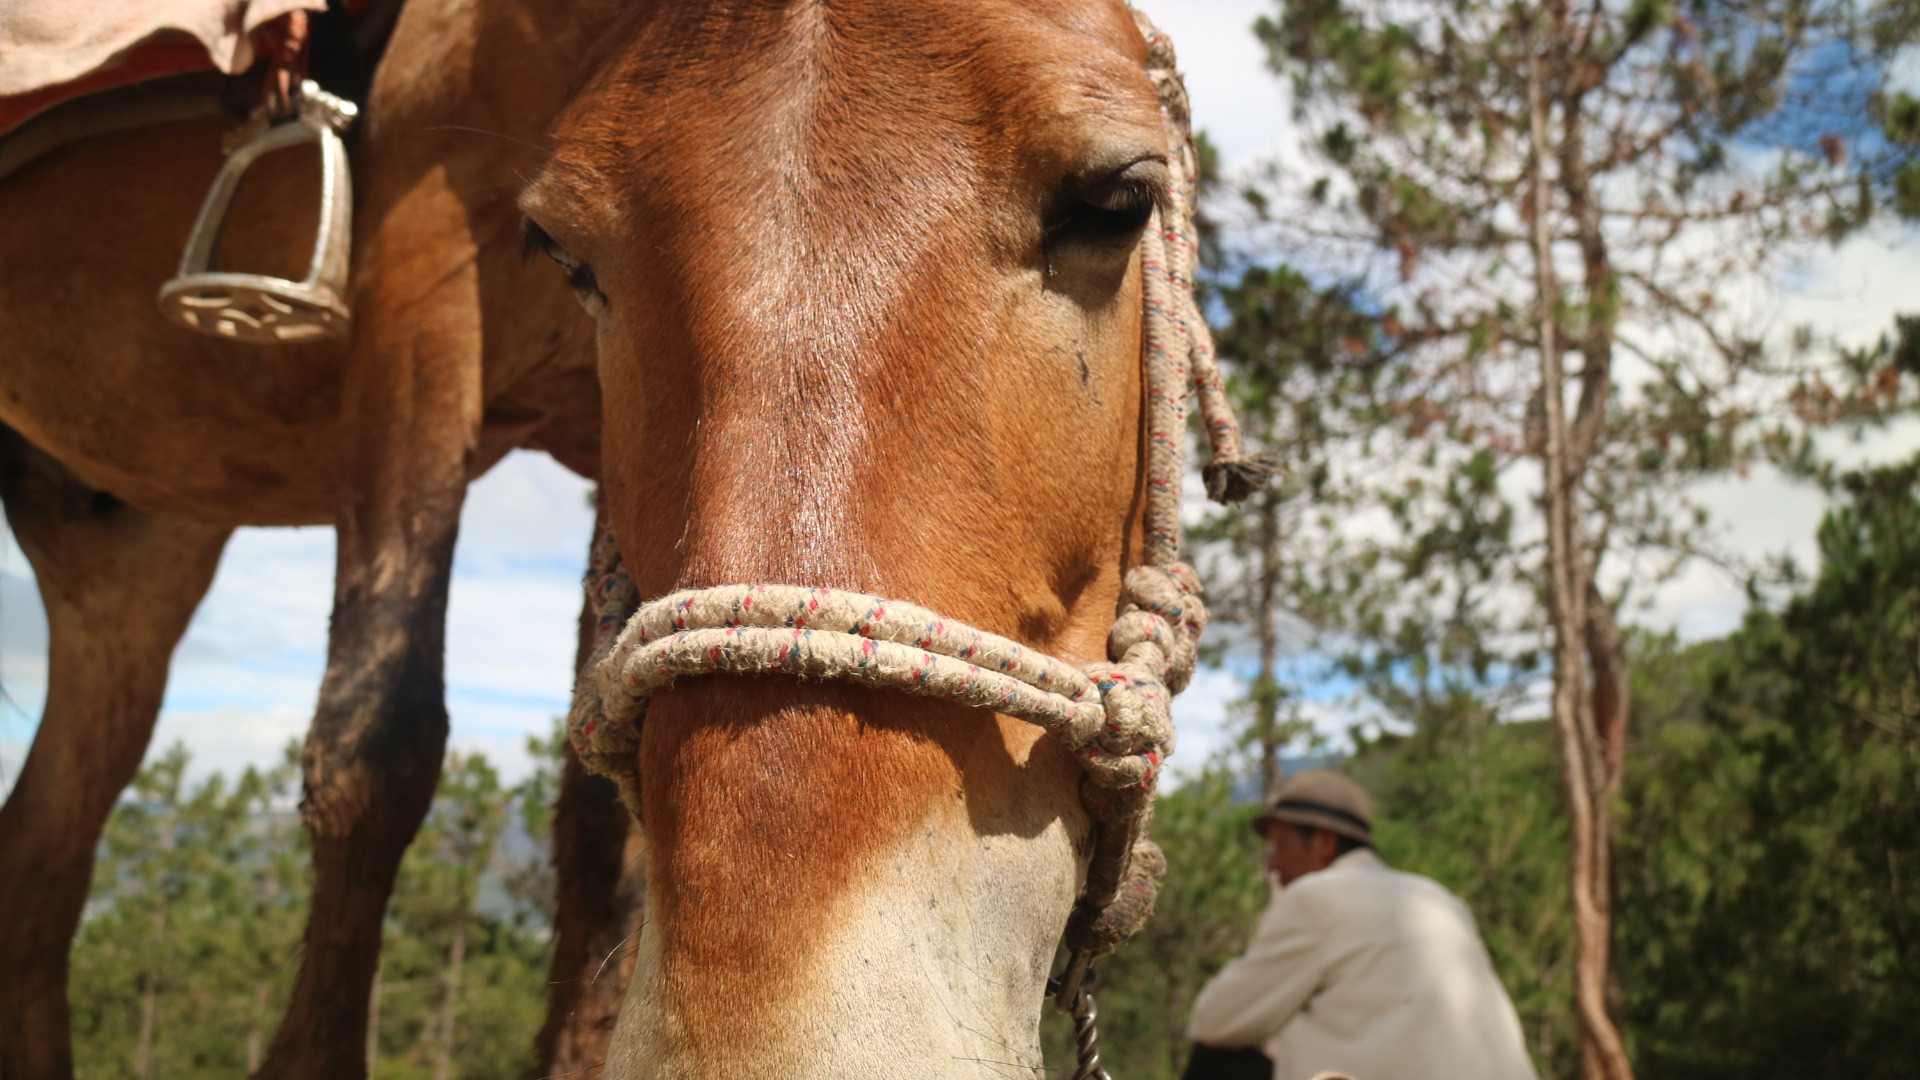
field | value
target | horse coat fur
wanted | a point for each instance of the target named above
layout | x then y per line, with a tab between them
861	310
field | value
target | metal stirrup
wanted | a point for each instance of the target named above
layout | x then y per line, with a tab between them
258	308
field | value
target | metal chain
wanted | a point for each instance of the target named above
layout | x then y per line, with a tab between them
1086	1028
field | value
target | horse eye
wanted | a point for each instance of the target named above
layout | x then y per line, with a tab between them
579	275
1111	212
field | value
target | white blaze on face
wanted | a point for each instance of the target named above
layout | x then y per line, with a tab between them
943	960
933	963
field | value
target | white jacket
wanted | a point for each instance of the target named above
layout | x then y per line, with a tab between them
1368	971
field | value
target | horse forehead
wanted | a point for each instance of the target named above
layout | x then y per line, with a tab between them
836	98
897	42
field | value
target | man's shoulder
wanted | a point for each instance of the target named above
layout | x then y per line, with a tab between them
1335	888
1360	881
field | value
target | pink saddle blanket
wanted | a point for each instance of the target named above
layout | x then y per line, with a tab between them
55	50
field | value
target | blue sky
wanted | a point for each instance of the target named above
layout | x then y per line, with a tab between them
245	677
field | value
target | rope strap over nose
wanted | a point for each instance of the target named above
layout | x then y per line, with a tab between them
1115	716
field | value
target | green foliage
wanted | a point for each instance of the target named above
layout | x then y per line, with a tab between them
1769	859
1474	804
186	956
1903	119
1691	151
440	948
198	899
1537	204
1906	189
1765	905
1769	831
1770	835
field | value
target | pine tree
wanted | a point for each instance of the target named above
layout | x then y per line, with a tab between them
1769	852
1555	212
461	988
182	963
186	956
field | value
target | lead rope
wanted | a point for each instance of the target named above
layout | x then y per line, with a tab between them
1114	717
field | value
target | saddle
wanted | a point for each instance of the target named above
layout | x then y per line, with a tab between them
68	75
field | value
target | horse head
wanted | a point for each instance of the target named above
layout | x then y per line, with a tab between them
868	284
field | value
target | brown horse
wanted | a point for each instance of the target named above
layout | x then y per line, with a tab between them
867	287
864	285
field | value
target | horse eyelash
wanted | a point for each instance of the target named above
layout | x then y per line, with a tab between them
580	276
533	238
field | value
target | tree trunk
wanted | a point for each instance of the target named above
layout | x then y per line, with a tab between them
1266	686
149	1021
256	1033
1569	585
373	1014
1612	686
450	1004
143	1047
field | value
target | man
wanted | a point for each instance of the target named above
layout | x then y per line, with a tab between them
1357	968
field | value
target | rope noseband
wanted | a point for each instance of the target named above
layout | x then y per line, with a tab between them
1115	717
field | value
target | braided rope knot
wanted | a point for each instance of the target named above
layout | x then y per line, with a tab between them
608	749
1151	650
1108	927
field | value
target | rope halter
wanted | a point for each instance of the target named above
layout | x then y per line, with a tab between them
1114	717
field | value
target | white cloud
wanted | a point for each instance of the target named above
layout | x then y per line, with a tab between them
1853	291
527	509
246	675
228	738
1200	716
1203	718
1241	105
1850	293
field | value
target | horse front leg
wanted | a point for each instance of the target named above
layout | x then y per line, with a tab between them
119	586
411	407
601	877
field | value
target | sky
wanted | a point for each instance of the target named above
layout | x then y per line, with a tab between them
245	677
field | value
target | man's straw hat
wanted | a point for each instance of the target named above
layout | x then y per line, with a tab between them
1324	799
